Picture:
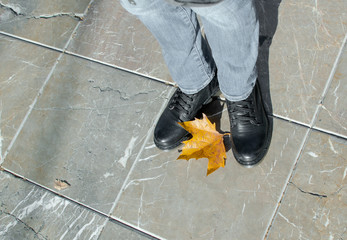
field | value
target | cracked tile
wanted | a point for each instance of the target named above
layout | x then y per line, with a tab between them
86	129
112	35
23	70
48	22
175	200
314	206
308	38
30	212
333	112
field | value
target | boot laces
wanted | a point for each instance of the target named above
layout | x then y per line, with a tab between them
243	112
182	102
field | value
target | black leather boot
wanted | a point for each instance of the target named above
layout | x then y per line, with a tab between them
181	107
250	129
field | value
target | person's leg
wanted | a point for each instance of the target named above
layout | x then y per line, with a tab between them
178	32
188	58
232	30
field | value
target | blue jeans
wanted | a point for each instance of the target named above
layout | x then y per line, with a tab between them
232	30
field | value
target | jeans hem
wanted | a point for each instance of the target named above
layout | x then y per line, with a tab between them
237	98
193	91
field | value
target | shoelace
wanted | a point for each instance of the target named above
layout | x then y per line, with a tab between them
243	112
182	101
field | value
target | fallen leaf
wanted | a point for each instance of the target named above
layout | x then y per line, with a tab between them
205	143
61	184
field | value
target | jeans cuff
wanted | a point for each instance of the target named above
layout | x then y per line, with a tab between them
196	90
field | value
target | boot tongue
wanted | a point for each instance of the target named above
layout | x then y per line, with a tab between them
181	105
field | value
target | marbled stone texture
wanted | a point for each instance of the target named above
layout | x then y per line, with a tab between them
175	199
333	112
87	128
315	202
49	22
308	38
23	70
30	212
110	34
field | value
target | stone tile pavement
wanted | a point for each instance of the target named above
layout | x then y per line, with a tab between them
82	84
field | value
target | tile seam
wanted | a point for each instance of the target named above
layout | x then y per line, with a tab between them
290	176
139	153
149	133
77	26
291	120
331	133
32	42
328	83
31	107
154	236
120	68
322	130
67	52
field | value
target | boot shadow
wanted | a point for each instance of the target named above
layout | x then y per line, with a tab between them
267	12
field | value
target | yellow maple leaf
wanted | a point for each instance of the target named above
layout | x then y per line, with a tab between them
205	143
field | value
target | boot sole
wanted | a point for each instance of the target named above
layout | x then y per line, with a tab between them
172	146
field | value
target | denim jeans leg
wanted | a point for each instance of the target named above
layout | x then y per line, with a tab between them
232	30
178	32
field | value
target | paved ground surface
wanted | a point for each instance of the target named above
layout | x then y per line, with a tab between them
82	84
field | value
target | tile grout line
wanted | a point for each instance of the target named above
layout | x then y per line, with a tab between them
328	83
121	223
150	130
153	235
31	41
166	82
64	50
289	120
31	107
311	127
77	26
334	134
136	160
284	190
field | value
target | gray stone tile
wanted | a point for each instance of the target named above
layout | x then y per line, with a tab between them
113	230
30	212
112	35
23	70
48	22
308	38
86	129
333	112
175	200
314	206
